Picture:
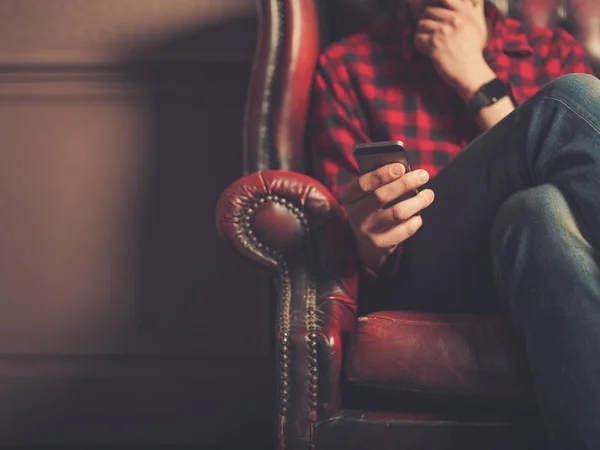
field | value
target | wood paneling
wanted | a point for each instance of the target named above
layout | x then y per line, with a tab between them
123	316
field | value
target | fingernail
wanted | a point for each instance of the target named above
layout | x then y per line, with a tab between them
396	170
423	175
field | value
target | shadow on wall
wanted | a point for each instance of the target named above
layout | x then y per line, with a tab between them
196	112
196	294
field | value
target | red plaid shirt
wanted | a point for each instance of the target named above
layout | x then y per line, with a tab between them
376	87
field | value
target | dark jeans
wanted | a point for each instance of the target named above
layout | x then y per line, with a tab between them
515	226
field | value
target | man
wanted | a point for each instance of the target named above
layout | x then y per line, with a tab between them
515	224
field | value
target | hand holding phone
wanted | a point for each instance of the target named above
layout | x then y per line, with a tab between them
383	204
371	156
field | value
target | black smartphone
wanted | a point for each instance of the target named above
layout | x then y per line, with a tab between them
373	155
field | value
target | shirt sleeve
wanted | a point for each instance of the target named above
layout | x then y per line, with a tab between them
336	125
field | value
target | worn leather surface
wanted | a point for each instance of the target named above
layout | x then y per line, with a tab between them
275	203
356	429
290	224
278	95
448	356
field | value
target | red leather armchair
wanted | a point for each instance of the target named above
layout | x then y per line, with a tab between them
386	380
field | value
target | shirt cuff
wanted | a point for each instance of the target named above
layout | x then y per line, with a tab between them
389	268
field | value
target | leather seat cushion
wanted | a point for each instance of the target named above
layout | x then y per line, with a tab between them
438	355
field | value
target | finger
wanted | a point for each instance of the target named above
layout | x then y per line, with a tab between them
364	185
391	191
398	234
402	211
439	14
428	26
424	42
453	5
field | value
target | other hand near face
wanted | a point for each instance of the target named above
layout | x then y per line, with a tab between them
454	37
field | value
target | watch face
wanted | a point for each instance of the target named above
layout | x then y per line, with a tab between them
496	89
488	94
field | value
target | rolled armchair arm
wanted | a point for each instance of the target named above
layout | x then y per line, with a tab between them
292	225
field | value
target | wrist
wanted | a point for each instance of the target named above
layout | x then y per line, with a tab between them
468	86
373	259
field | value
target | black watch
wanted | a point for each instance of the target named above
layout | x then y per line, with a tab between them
488	94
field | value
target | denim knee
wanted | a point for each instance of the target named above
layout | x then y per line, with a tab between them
536	241
536	226
540	212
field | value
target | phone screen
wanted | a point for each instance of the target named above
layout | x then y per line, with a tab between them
374	155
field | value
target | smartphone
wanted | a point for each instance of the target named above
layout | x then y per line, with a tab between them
373	155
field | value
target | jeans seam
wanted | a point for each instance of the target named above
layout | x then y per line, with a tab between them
574	111
501	287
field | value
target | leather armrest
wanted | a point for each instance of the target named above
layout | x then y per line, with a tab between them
292	225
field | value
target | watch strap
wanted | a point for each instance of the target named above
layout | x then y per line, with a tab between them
488	94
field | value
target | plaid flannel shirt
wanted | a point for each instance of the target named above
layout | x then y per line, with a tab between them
375	86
